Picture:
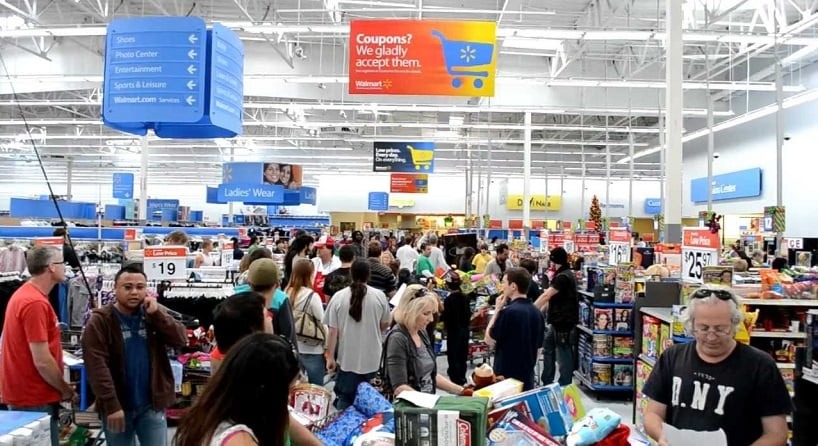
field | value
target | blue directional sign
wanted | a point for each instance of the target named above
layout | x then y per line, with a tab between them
123	185
155	70
251	193
378	201
226	62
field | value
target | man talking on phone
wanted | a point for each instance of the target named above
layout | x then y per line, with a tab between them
125	347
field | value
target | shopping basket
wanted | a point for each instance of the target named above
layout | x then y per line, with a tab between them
463	54
422	159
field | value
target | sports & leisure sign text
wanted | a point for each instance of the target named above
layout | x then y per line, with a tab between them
422	57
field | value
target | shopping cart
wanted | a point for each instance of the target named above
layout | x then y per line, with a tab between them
463	54
422	159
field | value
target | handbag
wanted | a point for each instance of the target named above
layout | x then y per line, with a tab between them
381	381
308	329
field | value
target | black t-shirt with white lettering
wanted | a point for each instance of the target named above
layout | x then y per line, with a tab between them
732	395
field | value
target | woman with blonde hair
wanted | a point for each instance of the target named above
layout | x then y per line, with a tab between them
304	300
410	355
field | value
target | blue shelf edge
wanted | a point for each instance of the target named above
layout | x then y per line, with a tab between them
682	339
601	388
612	360
604	332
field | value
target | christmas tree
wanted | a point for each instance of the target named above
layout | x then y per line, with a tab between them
595	214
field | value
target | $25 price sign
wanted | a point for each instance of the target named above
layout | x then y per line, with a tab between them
619	246
700	248
166	262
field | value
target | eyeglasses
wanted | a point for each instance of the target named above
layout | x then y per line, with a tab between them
716	331
58	263
705	293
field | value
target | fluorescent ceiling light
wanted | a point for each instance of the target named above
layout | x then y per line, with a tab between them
792	101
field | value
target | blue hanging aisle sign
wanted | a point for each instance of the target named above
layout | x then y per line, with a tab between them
728	186
123	185
173	75
378	201
308	195
251	193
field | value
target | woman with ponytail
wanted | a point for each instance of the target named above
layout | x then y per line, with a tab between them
357	316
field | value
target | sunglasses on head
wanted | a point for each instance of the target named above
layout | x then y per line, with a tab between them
705	293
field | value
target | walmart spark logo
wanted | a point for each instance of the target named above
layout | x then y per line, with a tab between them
387	84
227	174
468	54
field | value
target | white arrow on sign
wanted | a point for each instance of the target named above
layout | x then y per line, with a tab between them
191	69
191	85
192	54
192	39
190	100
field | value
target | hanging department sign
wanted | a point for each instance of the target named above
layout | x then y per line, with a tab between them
700	248
514	202
619	246
409	183
422	57
403	157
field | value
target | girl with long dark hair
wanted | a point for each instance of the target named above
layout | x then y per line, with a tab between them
257	373
357	316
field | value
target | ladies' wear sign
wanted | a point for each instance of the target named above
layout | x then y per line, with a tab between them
422	57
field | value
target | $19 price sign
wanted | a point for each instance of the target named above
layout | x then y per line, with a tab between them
166	262
700	248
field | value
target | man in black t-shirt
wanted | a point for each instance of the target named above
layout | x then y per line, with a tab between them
560	346
716	383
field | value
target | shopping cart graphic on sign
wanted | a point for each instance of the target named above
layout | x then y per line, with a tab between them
422	159
463	54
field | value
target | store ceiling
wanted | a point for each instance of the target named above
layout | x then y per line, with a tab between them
591	72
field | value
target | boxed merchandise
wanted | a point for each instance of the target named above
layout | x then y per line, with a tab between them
602	346
622	347
625	291
623	375
311	401
643	370
601	374
718	275
516	429
594	427
547	408
573	402
454	421
622	319
603	318
495	415
650	336
665	338
499	390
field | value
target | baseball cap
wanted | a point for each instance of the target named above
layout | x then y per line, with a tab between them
263	273
325	241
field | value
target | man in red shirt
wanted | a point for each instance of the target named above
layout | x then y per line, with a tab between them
31	371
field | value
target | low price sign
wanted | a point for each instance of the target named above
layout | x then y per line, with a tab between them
619	246
166	262
700	248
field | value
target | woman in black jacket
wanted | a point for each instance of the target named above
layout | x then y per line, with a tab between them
411	363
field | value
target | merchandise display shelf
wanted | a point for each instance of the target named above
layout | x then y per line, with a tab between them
604	332
611	360
647	359
609	388
663	314
780	302
777	334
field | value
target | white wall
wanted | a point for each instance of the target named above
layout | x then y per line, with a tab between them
754	145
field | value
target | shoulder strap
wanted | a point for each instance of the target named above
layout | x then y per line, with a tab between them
307	302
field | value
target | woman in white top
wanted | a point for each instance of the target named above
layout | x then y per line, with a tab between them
305	300
257	373
203	258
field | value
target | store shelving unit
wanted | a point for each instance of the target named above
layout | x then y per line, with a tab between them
605	356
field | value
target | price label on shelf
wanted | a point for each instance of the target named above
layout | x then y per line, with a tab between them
226	254
166	262
700	248
795	243
619	246
55	242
